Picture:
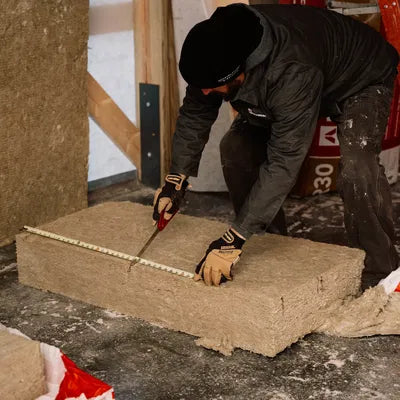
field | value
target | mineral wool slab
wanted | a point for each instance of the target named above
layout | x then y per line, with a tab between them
281	290
22	374
44	135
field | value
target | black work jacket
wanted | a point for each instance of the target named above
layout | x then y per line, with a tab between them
308	62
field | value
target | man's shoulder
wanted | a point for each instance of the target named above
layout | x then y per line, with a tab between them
285	12
284	67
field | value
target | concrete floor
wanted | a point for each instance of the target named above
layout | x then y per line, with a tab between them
143	361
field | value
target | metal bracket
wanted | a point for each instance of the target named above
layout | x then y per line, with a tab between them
149	95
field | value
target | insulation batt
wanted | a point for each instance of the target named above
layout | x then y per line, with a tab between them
22	374
373	313
283	288
44	137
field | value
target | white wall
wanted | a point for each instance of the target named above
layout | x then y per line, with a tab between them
111	62
187	13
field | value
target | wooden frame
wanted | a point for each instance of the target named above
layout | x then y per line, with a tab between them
114	122
155	63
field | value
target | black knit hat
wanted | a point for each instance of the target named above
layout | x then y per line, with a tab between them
215	50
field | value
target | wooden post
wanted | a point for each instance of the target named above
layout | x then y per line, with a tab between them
155	63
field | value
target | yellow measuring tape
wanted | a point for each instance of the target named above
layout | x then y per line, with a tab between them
109	252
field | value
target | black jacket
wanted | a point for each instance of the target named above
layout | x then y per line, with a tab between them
307	63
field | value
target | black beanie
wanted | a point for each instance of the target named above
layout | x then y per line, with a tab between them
215	50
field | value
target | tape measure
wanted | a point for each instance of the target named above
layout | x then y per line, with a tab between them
109	252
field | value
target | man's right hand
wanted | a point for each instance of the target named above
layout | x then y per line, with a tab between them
170	196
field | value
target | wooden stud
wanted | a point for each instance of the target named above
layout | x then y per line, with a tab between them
155	63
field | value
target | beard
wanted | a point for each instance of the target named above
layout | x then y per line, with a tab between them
233	88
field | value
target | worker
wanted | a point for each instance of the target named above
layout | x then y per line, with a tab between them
282	67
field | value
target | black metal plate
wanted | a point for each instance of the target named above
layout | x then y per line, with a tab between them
150	133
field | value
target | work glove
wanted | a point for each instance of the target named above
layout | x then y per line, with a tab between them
170	196
221	256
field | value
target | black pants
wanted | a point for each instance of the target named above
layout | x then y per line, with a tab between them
243	149
362	182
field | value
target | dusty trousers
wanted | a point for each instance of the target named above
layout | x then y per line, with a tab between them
362	183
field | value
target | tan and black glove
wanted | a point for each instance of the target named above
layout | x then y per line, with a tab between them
221	256
169	198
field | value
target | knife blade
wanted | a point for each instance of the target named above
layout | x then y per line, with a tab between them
161	224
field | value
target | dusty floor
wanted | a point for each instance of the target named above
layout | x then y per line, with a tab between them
143	361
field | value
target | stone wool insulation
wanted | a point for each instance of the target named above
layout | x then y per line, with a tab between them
22	375
43	112
373	313
281	291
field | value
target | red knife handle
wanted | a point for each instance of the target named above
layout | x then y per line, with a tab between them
162	222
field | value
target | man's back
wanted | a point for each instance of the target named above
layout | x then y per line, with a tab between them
350	54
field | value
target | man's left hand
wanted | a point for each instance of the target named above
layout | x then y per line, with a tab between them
221	256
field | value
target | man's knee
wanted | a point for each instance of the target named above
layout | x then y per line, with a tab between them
244	146
348	169
360	172
231	146
359	163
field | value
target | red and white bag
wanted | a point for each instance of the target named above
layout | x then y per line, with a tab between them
392	282
65	381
